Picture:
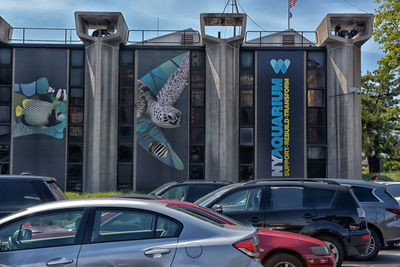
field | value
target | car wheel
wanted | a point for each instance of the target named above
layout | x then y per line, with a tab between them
334	245
283	260
373	248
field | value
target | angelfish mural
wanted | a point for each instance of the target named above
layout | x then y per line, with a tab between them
39	109
157	93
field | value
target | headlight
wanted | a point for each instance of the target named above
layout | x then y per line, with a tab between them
320	251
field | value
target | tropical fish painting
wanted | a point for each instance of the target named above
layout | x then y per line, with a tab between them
157	93
39	109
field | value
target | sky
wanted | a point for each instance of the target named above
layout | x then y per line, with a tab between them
270	15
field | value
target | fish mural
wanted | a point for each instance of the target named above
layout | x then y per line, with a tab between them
157	92
39	109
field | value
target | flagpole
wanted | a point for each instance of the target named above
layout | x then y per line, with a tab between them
288	15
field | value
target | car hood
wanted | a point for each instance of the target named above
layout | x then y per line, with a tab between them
287	235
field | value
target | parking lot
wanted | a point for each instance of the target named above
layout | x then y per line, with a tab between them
385	258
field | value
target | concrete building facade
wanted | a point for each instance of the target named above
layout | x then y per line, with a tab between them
108	113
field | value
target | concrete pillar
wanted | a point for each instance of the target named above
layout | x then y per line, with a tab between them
222	97
101	96
5	31
343	36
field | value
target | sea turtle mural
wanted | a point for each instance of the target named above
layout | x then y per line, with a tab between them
157	93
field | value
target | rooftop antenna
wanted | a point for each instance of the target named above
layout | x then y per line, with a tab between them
234	7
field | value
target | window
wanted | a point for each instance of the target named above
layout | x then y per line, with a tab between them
364	194
246	115
178	192
19	195
46	230
196	191
120	225
288	198
322	198
76	120
126	120
243	200
5	108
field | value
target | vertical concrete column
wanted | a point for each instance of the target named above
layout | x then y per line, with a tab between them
222	97
343	36
5	31
101	96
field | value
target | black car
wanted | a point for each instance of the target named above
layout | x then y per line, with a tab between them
187	190
325	211
19	191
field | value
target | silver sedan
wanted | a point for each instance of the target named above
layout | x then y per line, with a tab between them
117	232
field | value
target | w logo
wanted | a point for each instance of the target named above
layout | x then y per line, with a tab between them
280	65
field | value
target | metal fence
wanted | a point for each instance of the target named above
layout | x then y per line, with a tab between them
178	37
277	38
44	35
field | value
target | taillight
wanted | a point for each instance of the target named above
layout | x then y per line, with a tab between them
249	247
395	211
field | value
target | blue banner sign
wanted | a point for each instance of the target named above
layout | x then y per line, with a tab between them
280	114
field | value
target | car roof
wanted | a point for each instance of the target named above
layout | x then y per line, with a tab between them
201	181
294	182
87	203
357	182
27	178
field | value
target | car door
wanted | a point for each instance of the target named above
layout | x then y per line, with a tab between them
289	209
129	237
244	205
49	239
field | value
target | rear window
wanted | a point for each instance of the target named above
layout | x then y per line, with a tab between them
197	215
322	198
364	194
20	195
394	189
57	190
196	191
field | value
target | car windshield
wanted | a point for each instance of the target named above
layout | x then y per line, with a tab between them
159	189
394	189
204	201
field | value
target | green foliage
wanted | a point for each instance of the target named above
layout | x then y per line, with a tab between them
384	176
75	195
381	90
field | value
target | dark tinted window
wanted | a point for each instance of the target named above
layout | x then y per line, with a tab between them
288	198
322	198
199	190
394	189
19	195
345	201
178	192
364	194
57	190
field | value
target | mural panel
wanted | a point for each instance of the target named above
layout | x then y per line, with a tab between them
162	117
40	112
280	114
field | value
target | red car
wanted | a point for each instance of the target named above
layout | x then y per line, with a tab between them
276	248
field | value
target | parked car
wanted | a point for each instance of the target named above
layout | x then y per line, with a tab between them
393	188
120	232
382	213
20	191
187	190
325	211
277	248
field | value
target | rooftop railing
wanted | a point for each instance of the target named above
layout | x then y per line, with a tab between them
281	38
44	35
164	37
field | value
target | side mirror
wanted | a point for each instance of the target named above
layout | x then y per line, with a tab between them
217	208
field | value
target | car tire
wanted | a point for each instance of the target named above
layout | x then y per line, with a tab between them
283	260
335	246
373	248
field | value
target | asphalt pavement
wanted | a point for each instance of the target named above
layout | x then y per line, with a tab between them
385	258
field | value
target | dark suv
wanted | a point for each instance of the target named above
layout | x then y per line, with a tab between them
20	191
187	190
325	211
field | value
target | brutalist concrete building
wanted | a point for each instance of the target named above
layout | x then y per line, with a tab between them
124	109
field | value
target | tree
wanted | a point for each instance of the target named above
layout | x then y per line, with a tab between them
380	99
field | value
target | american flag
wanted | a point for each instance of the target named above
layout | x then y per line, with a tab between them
292	3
